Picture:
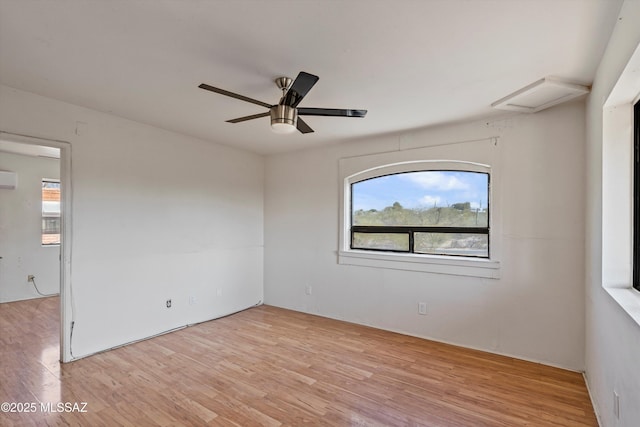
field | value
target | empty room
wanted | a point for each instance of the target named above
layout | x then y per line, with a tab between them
320	212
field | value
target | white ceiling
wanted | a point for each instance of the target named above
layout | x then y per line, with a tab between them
29	149
410	63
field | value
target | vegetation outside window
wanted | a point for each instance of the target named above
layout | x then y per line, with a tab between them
436	212
50	212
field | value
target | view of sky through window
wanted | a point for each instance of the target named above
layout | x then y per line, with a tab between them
422	190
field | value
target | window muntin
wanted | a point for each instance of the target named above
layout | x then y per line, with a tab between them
50	212
436	212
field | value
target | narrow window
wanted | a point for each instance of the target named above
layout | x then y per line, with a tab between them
50	212
436	212
636	195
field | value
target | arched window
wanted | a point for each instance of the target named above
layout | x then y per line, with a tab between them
432	209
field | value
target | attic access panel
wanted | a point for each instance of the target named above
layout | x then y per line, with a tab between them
539	95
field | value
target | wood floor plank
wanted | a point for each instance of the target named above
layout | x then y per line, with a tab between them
268	366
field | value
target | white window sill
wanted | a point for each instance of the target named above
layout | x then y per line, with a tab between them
628	299
456	266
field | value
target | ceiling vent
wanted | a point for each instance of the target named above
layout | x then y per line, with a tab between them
539	95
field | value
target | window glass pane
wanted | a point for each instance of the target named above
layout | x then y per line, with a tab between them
425	198
381	241
50	212
464	244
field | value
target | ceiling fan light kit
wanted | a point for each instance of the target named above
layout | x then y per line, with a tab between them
284	114
283	119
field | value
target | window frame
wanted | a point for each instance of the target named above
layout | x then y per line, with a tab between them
617	210
410	230
636	196
474	155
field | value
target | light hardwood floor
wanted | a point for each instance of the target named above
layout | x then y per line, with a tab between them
270	366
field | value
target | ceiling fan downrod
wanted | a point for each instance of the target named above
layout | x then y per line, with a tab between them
283	117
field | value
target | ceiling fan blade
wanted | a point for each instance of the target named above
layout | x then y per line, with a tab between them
299	88
244	119
333	112
303	127
233	95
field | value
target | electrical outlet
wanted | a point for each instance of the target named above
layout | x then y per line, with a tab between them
219	292
308	290
616	405
422	308
192	300
168	303
30	278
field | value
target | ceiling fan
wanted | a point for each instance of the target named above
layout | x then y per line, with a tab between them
285	114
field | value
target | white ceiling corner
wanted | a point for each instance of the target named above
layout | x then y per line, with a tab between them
29	149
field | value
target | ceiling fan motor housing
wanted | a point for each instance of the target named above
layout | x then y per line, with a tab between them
283	115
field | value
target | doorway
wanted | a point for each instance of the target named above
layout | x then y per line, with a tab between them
34	221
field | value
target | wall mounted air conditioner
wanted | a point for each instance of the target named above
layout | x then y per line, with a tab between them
8	180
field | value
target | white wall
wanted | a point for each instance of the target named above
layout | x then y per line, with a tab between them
534	311
612	337
21	230
155	216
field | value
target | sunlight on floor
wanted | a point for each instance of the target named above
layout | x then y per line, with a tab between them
50	375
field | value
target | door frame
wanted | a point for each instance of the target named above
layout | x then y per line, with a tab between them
66	189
